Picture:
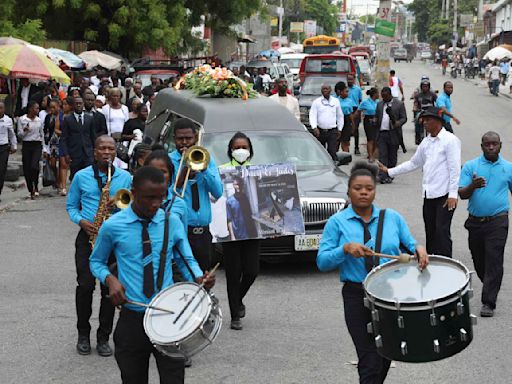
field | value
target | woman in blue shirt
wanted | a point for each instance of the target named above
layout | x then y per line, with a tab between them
241	257
368	108
347	243
347	106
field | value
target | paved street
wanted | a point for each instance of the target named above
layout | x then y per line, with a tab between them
294	331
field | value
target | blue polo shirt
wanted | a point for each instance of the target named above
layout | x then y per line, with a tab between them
178	207
443	100
345	227
122	234
493	198
368	107
356	94
208	181
84	194
347	105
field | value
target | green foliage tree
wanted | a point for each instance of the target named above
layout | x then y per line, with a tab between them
371	19
30	30
425	11
439	32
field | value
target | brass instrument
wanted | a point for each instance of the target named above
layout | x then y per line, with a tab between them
122	199
196	158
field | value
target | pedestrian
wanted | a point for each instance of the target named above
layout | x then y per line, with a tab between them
78	137
115	113
486	182
52	133
99	102
326	120
391	116
8	143
444	103
144	216
152	88
24	94
356	94
242	253
347	107
197	192
504	70
127	90
135	126
31	131
348	243
98	119
137	94
368	108
439	156
286	100
422	100
83	204
494	78
123	75
396	85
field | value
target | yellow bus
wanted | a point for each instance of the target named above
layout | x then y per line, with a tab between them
321	44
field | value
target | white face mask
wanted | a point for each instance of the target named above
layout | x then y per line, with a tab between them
241	155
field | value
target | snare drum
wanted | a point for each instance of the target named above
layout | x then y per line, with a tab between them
196	329
420	316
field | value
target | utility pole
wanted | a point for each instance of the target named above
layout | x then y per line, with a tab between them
443	5
447	9
280	12
383	49
454	15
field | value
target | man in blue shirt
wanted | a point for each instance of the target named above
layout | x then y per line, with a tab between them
356	94
444	103
486	182
196	196
82	204
139	279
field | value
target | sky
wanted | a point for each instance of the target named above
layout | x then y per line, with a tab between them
359	7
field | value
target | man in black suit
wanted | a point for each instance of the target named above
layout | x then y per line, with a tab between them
391	116
98	119
77	139
24	94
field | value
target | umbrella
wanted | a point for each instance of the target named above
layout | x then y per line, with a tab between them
95	58
69	58
17	61
285	50
498	53
269	53
11	40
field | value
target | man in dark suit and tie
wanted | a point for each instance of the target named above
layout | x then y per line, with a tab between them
98	118
391	116
77	139
24	94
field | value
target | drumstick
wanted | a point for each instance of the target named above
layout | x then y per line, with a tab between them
401	258
149	306
211	273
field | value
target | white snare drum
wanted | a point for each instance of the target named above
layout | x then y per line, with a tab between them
196	329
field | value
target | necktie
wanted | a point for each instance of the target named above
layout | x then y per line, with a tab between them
80	121
148	285
195	197
368	261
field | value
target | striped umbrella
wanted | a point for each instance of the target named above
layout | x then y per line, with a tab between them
17	61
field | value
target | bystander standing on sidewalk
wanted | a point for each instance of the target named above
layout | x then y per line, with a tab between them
494	78
7	143
504	70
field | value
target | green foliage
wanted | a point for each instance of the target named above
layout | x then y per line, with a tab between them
31	30
371	19
439	32
425	11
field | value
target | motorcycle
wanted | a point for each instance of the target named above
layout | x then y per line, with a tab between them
453	70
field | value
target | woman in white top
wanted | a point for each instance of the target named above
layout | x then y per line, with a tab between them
115	113
30	129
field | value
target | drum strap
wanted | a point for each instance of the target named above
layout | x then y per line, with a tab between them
378	239
163	253
185	262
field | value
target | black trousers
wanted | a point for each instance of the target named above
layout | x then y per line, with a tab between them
201	245
242	265
487	245
77	164
4	158
357	122
388	149
372	367
84	293
438	220
133	349
31	152
329	137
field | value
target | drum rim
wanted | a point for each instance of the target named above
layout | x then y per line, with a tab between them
176	342
419	305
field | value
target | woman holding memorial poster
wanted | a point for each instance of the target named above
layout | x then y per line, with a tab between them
241	256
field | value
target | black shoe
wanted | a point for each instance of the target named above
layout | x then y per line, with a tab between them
103	349
83	346
236	325
241	311
188	362
356	151
486	311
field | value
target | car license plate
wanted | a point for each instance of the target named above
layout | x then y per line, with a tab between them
307	242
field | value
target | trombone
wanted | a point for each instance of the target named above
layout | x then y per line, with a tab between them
123	198
195	158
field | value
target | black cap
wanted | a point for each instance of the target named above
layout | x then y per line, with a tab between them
432	112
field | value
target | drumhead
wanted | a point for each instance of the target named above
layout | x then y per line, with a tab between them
160	327
405	283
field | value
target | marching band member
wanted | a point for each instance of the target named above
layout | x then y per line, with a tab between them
241	258
196	197
349	240
138	266
82	205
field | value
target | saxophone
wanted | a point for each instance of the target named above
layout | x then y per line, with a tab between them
103	213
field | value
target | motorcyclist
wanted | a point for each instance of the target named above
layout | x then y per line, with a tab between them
422	100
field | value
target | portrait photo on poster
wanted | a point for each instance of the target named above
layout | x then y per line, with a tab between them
259	201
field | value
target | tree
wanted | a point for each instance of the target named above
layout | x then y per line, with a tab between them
439	32
371	19
30	30
425	11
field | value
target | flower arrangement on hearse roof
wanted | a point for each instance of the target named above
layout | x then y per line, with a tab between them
217	82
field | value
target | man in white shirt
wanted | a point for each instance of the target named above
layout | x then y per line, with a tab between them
494	78
439	155
8	142
326	120
396	85
286	100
